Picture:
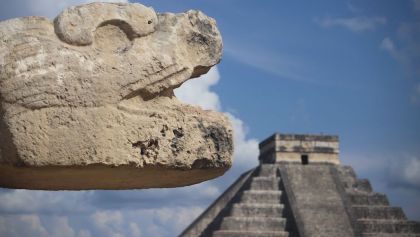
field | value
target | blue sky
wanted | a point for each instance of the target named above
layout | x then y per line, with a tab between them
350	68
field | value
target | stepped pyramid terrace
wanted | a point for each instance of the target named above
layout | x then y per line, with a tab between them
301	190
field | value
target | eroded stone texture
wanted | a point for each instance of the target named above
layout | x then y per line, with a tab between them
87	100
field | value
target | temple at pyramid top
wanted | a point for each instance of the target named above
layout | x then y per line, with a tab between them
301	148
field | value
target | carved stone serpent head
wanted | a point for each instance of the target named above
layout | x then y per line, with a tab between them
88	99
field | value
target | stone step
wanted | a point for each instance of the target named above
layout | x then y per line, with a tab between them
347	172
369	199
261	196
347	176
265	183
379	212
265	170
257	210
362	186
388	226
253	223
237	233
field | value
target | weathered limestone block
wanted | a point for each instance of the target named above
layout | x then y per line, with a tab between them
87	101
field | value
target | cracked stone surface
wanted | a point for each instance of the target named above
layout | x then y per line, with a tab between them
87	100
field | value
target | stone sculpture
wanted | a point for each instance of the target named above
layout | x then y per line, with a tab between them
87	100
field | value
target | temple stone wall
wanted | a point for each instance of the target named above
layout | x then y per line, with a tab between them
293	147
315	200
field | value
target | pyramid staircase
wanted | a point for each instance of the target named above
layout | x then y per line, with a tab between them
258	210
372	214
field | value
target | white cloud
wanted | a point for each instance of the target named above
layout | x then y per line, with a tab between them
415	97
109	222
135	229
392	173
389	170
162	221
282	65
388	45
84	233
122	1
416	4
33	223
206	190
356	24
105	218
33	226
197	91
411	172
49	8
61	227
408	52
405	49
16	201
353	8
405	171
179	218
246	150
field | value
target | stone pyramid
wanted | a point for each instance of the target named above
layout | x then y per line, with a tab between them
301	190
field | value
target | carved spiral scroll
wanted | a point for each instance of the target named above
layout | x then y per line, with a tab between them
76	25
